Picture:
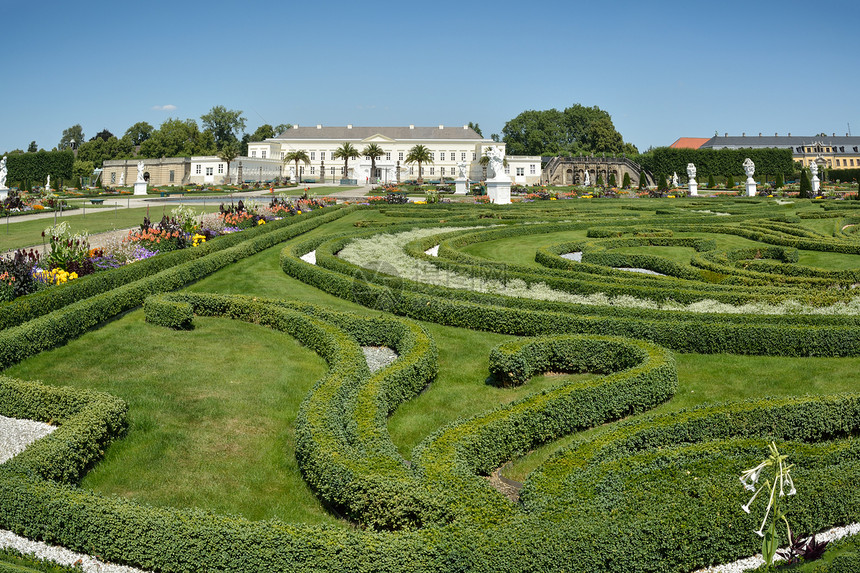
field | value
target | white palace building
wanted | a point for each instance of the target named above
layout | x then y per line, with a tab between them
448	146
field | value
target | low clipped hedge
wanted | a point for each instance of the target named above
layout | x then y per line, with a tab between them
57	327
342	443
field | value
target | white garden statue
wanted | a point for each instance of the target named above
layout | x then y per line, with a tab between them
749	169
48	183
496	167
816	182
122	178
461	170
292	174
674	180
3	173
587	181
692	184
140	168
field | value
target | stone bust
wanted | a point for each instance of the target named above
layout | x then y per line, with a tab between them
749	167
813	168
691	170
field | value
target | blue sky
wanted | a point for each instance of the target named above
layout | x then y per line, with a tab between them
661	69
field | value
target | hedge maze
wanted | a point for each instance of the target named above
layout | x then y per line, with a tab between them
654	492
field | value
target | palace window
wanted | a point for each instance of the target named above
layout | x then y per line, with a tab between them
432	171
263	154
432	156
388	156
313	170
532	169
209	171
400	156
282	156
474	156
199	169
837	163
113	177
322	155
521	171
220	169
172	175
443	172
441	156
254	153
313	155
463	156
852	163
507	170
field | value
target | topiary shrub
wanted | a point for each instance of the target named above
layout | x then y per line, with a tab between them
805	185
625	181
662	184
730	182
643	183
612	181
711	183
780	181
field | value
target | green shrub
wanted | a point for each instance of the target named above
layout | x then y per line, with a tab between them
805	185
730	182
625	182
711	183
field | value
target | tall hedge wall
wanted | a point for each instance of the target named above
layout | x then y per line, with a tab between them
717	161
38	165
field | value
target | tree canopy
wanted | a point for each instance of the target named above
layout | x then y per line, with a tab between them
577	130
139	132
225	124
73	134
178	138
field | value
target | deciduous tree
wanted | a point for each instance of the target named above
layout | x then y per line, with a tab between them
139	132
73	134
225	124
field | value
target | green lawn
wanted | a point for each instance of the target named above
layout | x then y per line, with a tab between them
29	233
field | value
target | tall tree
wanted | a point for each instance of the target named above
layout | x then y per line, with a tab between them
104	135
263	132
476	128
419	154
139	132
225	124
373	151
576	130
346	152
228	153
295	157
32	147
73	134
282	127
178	138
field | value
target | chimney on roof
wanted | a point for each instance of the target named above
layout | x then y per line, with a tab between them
759	134
296	126
411	126
349	126
441	126
834	135
775	134
465	127
743	134
727	134
319	126
789	134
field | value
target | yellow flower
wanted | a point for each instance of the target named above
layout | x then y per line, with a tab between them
261	222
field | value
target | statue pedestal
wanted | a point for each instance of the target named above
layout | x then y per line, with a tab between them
4	192
460	187
693	187
499	192
140	188
816	184
751	187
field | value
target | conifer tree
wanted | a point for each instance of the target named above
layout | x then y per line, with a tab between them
711	183
625	182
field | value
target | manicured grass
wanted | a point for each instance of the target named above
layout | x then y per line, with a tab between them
211	413
29	233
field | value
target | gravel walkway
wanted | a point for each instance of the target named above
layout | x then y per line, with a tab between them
16	435
577	256
378	357
310	257
432	251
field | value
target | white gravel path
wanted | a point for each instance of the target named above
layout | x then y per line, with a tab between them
310	257
638	270
432	251
758	561
378	357
577	256
16	435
